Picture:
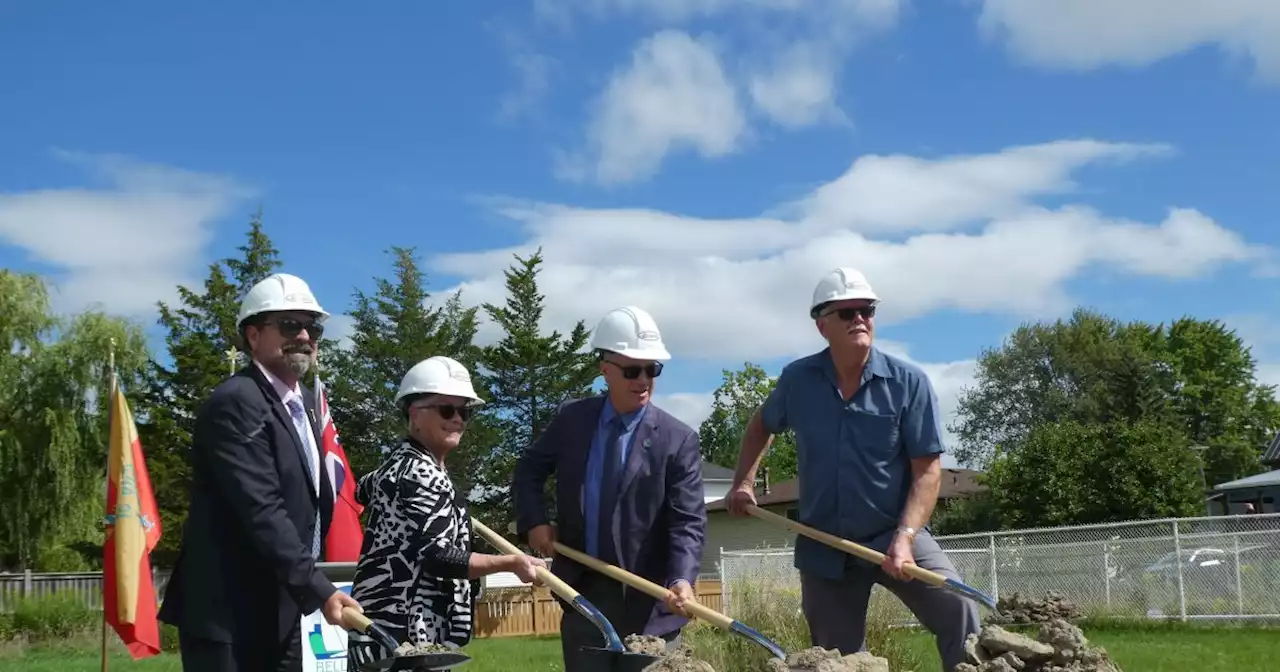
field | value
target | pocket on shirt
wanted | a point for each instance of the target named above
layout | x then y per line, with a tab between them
874	433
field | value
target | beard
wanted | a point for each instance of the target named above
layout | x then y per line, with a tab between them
299	362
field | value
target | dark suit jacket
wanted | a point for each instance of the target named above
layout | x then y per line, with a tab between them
245	573
661	518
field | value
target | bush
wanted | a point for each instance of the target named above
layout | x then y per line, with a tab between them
52	617
775	612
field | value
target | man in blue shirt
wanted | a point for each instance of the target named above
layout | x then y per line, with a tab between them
869	447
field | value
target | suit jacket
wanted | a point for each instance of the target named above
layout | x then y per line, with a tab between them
661	518
244	573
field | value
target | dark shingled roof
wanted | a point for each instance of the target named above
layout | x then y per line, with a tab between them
715	472
1271	458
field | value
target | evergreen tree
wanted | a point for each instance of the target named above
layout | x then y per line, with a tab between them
528	375
395	328
200	333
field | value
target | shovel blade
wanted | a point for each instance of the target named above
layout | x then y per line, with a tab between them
421	661
608	660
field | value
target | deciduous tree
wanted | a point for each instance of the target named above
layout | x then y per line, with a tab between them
736	400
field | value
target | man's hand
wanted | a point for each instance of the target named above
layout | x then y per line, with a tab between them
332	608
541	539
899	555
679	594
525	567
739	497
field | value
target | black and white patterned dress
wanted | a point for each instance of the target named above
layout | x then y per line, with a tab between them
411	576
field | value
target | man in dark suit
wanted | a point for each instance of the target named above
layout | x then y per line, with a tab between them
628	491
260	503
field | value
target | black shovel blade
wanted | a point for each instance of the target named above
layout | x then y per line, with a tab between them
608	660
418	661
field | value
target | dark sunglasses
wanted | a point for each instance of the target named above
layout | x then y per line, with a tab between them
447	411
291	328
847	314
633	371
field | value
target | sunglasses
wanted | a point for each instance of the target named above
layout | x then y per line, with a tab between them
848	314
447	411
633	371
291	328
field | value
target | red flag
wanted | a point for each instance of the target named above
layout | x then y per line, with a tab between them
133	530
345	537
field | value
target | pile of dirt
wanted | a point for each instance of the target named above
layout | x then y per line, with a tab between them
407	649
1018	609
679	660
818	659
1058	647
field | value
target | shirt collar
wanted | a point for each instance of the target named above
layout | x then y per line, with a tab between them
629	420
877	365
283	391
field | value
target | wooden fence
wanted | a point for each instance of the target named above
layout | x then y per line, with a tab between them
501	612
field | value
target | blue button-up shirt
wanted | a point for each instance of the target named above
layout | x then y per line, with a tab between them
595	466
854	457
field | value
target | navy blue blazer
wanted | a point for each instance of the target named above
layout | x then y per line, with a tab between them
660	523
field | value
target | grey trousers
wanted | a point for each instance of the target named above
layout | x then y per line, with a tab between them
837	610
576	631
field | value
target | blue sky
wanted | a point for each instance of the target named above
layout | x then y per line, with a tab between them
985	162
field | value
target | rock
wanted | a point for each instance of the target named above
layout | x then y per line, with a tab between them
1022	610
995	640
1059	646
646	644
680	660
818	659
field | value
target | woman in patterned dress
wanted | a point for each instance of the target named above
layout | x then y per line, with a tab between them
417	575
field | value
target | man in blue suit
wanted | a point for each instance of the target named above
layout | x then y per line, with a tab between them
628	491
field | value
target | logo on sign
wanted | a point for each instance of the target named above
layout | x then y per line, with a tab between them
325	648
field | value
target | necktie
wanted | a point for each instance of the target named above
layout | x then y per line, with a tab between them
610	483
304	434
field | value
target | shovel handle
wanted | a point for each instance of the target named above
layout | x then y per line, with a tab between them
644	585
555	583
355	620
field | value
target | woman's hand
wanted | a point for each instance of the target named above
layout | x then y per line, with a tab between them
525	567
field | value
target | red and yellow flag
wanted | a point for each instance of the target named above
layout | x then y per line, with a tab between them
133	530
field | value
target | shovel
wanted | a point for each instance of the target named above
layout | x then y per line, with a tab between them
644	585
615	657
875	557
357	621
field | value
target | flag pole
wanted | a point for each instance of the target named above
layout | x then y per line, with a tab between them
111	390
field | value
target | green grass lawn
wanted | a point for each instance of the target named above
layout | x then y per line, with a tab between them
1155	648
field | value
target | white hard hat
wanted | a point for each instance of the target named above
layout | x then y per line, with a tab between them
277	293
842	284
630	332
439	375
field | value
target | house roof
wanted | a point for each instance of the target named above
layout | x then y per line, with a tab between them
1271	457
955	483
715	472
1269	479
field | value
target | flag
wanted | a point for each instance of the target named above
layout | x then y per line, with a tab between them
345	537
133	530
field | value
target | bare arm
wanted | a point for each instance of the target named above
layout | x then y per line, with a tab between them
755	443
926	481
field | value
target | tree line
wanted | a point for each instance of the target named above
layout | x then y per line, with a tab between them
1082	420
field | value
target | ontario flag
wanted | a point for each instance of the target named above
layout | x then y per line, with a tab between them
345	537
133	530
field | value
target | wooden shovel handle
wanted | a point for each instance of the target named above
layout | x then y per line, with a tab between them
644	585
876	557
555	583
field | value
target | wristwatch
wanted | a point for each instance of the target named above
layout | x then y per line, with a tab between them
909	532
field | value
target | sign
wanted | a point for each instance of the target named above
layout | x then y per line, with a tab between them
324	646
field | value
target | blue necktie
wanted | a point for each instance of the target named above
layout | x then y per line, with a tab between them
304	434
610	483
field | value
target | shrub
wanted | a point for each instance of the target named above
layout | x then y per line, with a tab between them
53	617
775	612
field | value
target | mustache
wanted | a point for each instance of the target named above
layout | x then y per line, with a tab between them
297	349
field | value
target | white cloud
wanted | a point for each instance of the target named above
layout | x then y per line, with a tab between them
123	245
673	96
339	328
798	88
691	407
739	288
1089	34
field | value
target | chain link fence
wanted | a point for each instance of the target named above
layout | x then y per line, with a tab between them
1221	567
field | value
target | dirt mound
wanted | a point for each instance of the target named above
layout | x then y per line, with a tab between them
818	659
680	660
1018	609
1058	647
